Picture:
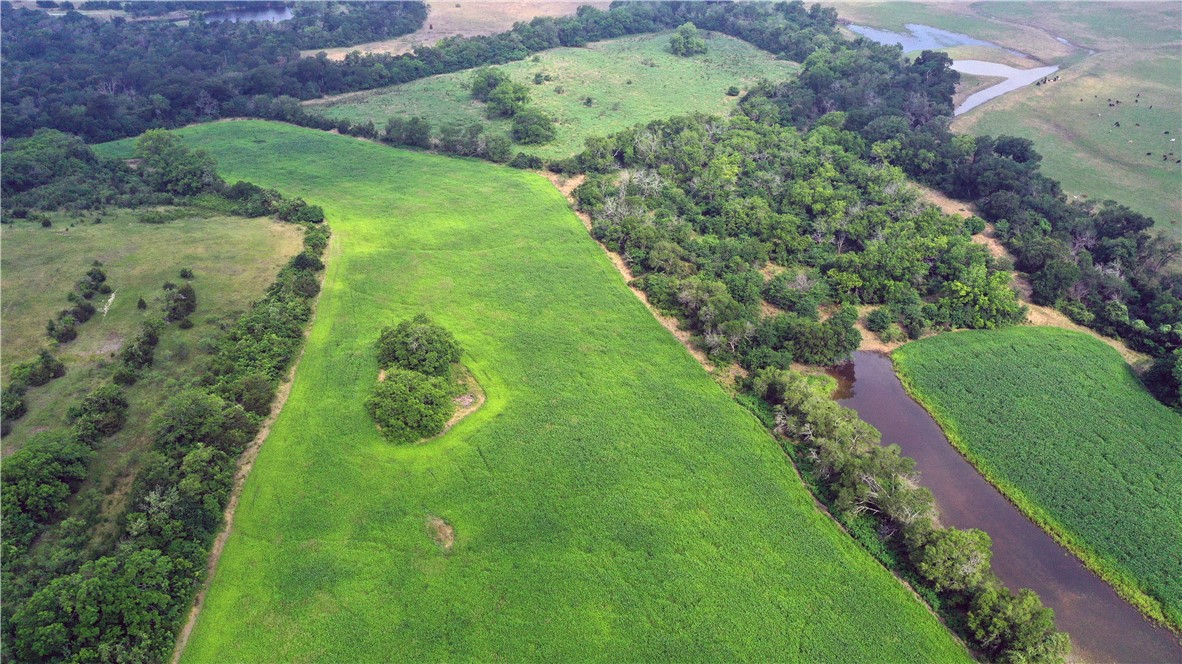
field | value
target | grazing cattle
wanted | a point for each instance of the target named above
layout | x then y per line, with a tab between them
1116	124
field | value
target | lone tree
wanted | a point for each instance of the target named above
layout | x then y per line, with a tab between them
484	80
507	99
409	406
687	41
533	127
418	344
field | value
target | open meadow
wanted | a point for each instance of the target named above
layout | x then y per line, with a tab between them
1061	425
233	261
630	80
608	502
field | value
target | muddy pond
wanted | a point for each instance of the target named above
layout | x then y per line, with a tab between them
1103	627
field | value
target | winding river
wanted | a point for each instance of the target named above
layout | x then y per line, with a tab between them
1103	627
925	37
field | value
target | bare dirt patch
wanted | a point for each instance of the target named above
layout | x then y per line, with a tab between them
461	19
442	532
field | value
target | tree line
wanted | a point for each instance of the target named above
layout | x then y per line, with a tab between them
873	491
70	595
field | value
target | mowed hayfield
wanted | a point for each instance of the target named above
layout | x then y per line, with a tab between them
609	501
233	261
630	80
466	19
1058	421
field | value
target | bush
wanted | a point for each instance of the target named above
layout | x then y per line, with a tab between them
732	91
141	304
418	345
879	319
185	324
507	99
179	303
533	127
40	371
186	273
408	406
974	225
484	80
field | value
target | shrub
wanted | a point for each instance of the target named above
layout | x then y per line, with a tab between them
687	41
185	324
179	303
732	91
484	80
408	406
186	273
141	304
507	99
974	225
418	344
879	319
533	126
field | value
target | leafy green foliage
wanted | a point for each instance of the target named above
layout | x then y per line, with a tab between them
507	99
408	406
1057	420
533	126
420	345
484	80
686	41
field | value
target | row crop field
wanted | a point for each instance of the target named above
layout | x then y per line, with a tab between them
628	81
608	502
1060	424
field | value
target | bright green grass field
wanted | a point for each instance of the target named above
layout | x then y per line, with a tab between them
661	85
1058	421
610	501
233	261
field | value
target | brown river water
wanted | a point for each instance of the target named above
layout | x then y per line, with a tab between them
1103	627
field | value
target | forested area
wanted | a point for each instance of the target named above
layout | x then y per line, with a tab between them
109	79
1096	262
702	209
70	596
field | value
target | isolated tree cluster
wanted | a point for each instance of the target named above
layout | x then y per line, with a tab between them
414	401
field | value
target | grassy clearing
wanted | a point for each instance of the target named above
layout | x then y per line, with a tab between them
608	502
630	80
1062	426
233	261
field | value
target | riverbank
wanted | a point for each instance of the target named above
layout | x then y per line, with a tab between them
1103	626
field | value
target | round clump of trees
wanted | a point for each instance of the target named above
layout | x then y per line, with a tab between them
414	401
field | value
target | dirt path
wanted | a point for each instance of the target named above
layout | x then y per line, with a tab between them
245	464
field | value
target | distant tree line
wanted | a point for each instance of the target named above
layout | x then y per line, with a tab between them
704	210
1098	263
873	490
109	79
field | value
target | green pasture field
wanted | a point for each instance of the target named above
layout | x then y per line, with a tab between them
233	261
1080	144
1138	51
630	80
1060	424
610	500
